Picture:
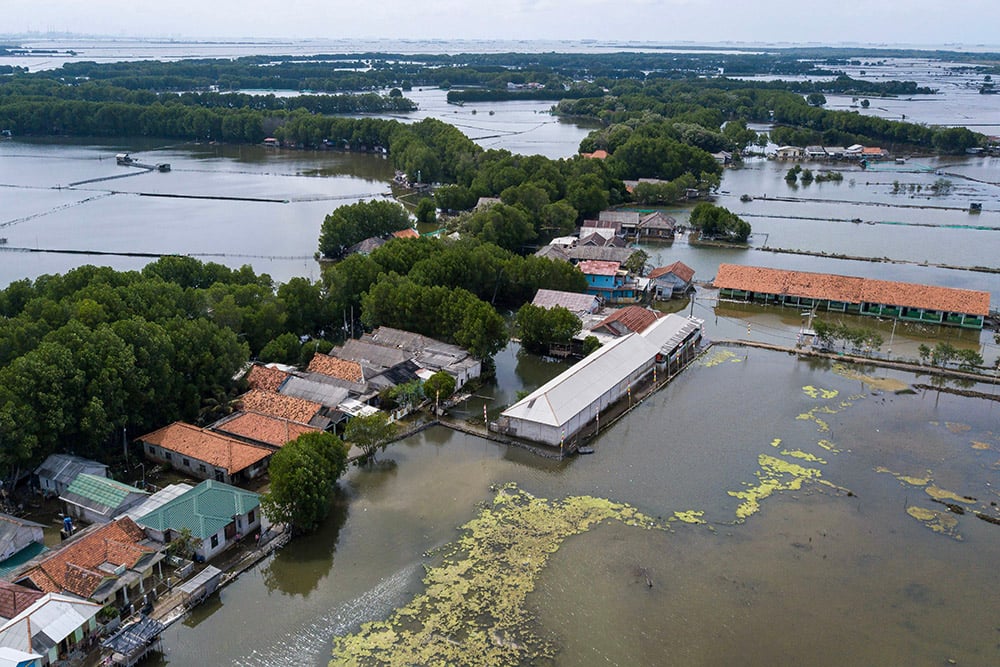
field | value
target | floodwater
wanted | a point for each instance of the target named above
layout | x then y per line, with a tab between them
845	569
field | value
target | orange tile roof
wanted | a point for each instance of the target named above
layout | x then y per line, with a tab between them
679	269
634	318
597	267
277	405
74	567
409	233
204	445
14	599
264	428
268	379
337	368
850	289
599	154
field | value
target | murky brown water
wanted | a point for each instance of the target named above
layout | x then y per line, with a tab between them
817	576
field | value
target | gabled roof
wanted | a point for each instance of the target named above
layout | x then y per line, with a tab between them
49	620
552	252
657	220
214	449
266	378
599	154
204	510
574	302
594	267
277	405
630	319
342	369
158	499
326	394
75	566
269	430
604	254
679	269
65	467
371	354
851	289
14	599
408	233
102	494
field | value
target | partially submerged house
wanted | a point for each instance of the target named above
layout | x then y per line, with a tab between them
656	226
58	470
610	282
217	514
908	302
555	412
97	499
18	534
111	563
630	319
51	628
671	281
205	454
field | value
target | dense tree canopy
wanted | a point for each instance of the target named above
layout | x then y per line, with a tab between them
716	222
541	327
353	223
303	476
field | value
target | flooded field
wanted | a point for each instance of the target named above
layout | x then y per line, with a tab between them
756	508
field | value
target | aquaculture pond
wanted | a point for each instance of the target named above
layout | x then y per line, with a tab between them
757	508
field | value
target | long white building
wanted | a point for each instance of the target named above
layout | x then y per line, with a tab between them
559	409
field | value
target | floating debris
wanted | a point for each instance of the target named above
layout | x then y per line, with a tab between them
884	383
979	445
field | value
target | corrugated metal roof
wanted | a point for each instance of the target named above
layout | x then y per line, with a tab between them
571	301
325	394
563	397
100	493
65	467
204	510
49	620
157	500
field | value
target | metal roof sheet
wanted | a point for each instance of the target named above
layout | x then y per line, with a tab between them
204	510
100	493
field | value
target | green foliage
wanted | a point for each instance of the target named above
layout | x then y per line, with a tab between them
859	338
426	211
453	315
636	263
184	544
303	476
285	349
370	433
408	394
439	386
540	327
590	344
719	223
816	99
352	223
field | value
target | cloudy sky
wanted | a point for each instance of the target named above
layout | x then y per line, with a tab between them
930	22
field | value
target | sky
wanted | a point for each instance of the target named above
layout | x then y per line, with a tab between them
911	22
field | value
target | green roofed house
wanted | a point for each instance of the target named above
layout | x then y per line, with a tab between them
99	499
216	513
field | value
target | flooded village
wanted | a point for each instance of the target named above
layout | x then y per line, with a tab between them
743	450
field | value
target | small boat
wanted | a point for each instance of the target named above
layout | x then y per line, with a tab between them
584	450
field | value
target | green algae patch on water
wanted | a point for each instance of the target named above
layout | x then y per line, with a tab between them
980	445
776	442
716	357
690	516
937	493
819	392
905	479
805	456
774	475
472	611
828	446
938	521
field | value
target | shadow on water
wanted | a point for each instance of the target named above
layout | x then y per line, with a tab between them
298	571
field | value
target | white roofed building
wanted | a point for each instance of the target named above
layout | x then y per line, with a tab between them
559	409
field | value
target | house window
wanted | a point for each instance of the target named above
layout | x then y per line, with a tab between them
167	455
152	450
250	517
215	541
202	468
187	462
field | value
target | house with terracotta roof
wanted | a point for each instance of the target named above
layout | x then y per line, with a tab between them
14	599
113	563
342	369
599	154
408	233
50	629
909	302
671	280
217	514
264	430
610	282
284	407
205	454
96	499
630	319
266	378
